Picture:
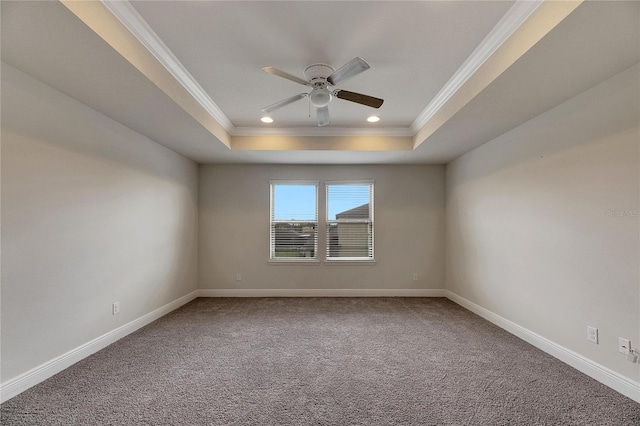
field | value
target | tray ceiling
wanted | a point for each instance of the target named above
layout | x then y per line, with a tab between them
188	74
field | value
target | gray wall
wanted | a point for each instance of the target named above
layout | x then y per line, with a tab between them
92	213
542	223
234	229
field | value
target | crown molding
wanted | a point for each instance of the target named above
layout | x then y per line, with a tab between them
131	19
322	131
508	24
140	29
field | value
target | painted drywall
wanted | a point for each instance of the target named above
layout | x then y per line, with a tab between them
234	229
542	223
92	213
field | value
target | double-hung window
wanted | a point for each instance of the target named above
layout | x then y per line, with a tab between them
349	220
294	221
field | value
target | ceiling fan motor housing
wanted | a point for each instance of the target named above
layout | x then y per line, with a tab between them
318	72
317	75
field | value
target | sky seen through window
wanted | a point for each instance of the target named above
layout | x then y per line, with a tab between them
298	202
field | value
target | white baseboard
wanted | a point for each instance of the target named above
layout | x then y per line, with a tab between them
604	375
321	292
21	383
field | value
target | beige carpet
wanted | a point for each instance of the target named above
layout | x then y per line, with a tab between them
320	361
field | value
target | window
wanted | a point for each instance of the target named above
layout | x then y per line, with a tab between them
349	220
294	221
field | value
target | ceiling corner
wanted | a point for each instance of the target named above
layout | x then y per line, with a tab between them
526	23
120	25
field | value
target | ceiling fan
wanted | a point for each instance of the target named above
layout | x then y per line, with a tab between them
320	77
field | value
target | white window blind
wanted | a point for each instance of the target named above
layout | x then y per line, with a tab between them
294	221
349	220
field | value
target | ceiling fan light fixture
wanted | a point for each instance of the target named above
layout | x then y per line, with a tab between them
267	119
373	119
320	97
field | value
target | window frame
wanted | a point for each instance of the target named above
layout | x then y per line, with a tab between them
371	220
298	260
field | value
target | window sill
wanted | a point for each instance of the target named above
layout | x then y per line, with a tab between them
350	262
293	262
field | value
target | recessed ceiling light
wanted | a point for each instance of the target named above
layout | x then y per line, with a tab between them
266	120
373	119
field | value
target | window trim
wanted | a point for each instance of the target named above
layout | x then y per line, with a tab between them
293	260
350	260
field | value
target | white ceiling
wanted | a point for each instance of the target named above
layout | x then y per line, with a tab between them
414	49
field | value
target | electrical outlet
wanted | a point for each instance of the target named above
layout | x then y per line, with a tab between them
115	308
624	345
592	334
415	277
238	277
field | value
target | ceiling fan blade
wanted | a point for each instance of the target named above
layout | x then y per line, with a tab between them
323	116
279	73
283	102
348	70
359	98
